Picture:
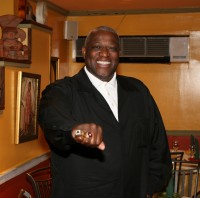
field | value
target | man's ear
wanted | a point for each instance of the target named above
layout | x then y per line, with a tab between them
83	52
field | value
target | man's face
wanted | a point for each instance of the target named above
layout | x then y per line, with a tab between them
101	54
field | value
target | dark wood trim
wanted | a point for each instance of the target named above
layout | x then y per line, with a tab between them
29	23
183	132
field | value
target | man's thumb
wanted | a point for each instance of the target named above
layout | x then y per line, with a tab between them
101	146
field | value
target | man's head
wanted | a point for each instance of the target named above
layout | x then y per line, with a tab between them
101	52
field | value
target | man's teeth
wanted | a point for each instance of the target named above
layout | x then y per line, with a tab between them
103	62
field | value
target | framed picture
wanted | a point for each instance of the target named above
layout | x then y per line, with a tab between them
16	42
28	95
2	88
54	69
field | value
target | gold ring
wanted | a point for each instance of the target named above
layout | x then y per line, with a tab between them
78	133
83	133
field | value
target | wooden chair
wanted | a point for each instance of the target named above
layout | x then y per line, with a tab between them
177	157
41	180
186	179
24	194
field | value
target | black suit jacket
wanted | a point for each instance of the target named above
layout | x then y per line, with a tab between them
136	160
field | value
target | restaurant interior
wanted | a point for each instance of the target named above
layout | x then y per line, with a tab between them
50	34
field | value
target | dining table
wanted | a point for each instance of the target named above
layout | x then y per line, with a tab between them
186	157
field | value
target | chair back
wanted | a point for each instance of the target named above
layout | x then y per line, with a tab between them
186	178
177	158
178	155
24	194
41	182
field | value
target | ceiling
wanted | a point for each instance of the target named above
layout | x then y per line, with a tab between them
95	7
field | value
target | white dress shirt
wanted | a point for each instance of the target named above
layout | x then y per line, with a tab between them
107	89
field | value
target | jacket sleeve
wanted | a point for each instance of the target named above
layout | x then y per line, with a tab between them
54	115
160	165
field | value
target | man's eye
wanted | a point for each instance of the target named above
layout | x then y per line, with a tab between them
97	47
112	48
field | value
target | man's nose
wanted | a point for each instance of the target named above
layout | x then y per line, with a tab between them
104	51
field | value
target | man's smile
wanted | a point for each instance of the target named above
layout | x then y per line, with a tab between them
103	62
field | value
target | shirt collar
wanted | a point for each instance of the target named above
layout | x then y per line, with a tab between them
97	82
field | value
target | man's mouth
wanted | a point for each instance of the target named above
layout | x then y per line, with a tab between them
103	62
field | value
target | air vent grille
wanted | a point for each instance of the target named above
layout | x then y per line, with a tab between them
144	46
132	46
157	46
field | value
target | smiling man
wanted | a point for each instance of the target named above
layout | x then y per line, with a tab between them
101	53
105	131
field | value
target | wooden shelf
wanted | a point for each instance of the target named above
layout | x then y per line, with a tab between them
33	24
14	62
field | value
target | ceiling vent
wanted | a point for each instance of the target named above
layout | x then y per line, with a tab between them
146	49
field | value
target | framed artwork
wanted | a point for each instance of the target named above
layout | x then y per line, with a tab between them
2	88
15	41
28	95
54	69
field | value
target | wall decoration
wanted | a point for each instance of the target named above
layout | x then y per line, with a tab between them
27	107
54	69
15	43
22	4
25	10
2	88
41	11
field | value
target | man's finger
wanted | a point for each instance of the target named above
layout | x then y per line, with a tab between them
101	146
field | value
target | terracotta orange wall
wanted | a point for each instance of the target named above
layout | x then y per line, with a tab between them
59	45
174	86
8	7
14	155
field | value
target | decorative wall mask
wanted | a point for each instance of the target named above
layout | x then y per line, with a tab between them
11	42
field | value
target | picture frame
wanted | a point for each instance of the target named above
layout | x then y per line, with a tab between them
23	52
54	69
2	88
28	95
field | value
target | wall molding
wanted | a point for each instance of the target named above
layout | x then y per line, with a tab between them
129	12
12	173
183	132
65	12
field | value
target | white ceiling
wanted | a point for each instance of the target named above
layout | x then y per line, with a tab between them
87	7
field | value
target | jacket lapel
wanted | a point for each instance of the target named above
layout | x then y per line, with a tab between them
86	87
122	94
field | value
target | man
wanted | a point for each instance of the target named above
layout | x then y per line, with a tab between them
105	131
